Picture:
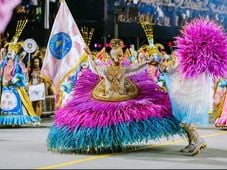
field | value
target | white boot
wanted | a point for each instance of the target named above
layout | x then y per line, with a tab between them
190	146
199	143
187	148
196	143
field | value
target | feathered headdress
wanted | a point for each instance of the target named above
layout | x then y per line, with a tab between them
14	45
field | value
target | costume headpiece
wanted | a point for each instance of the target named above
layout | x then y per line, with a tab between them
152	50
147	27
116	43
20	27
87	35
13	45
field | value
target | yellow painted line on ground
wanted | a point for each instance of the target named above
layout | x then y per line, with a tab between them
175	142
215	134
75	162
90	158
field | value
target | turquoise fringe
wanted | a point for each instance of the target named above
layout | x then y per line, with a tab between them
18	119
111	138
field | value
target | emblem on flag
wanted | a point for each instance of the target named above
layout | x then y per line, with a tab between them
60	44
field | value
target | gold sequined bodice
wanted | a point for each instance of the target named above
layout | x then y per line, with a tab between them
115	87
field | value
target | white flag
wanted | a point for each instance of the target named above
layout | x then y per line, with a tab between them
65	48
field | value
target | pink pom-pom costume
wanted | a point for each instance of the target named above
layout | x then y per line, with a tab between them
202	55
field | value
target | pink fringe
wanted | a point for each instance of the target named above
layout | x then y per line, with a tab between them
83	110
202	47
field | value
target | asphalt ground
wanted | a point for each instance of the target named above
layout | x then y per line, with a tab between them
25	148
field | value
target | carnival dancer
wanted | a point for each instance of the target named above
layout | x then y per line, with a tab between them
112	107
16	108
201	55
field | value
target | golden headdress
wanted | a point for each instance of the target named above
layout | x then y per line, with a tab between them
151	48
148	29
87	34
14	45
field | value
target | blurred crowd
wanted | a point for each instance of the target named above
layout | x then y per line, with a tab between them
171	12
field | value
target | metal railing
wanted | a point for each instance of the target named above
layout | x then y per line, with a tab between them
48	105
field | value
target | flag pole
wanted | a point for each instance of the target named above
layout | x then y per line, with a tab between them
87	50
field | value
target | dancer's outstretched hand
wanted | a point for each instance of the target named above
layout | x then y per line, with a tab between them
152	62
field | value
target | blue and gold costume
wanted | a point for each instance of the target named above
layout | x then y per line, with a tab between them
16	108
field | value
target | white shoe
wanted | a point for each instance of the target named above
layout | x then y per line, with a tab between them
200	144
187	148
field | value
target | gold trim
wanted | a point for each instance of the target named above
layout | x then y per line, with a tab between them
220	107
148	29
83	56
26	101
45	78
60	99
57	87
216	87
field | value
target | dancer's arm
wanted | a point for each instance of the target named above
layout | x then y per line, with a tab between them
134	69
172	68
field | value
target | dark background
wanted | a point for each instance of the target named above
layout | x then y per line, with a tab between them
89	13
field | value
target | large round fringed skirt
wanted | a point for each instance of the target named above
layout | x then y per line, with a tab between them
87	125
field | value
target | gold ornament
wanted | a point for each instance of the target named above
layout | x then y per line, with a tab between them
87	34
14	45
115	91
147	27
20	27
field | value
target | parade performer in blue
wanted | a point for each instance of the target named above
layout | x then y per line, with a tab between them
16	108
